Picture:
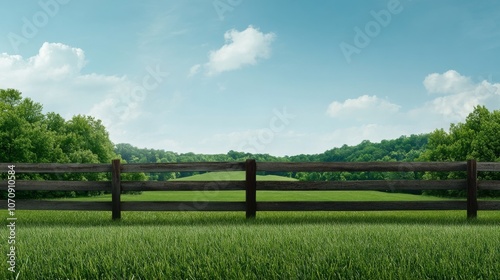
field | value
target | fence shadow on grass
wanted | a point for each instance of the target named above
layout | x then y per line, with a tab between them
83	219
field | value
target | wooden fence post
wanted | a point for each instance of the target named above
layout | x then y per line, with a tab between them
251	188
116	189
472	189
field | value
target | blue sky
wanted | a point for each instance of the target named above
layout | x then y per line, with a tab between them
278	77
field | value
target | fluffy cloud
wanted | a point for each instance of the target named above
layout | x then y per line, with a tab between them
461	95
449	82
241	48
54	62
362	108
54	78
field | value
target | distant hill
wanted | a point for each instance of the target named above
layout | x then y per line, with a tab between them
231	176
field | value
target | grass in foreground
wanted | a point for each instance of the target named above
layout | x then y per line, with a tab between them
298	245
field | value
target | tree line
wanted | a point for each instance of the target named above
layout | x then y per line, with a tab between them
405	148
28	135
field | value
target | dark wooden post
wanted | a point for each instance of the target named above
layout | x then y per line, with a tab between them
115	189
472	189
251	188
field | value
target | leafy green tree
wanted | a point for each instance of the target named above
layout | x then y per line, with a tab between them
477	138
86	140
29	136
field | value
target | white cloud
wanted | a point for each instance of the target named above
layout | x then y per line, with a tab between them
53	78
362	108
54	62
450	82
241	48
462	95
377	119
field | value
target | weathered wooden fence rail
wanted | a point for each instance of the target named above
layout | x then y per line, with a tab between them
250	185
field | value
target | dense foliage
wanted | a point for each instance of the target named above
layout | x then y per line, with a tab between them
404	148
478	138
29	136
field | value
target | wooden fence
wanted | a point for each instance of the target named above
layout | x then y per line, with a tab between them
250	185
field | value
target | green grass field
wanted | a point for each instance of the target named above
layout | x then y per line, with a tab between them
319	245
275	245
